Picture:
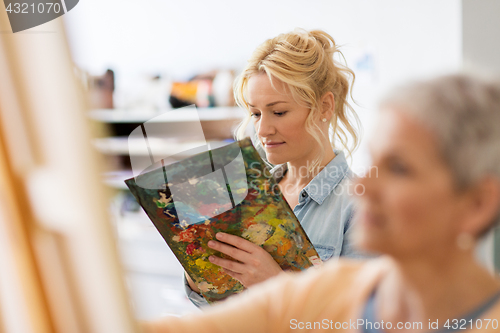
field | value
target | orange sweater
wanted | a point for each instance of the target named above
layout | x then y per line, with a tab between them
331	298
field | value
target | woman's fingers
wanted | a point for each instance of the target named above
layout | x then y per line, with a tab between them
237	241
230	265
229	250
237	276
253	263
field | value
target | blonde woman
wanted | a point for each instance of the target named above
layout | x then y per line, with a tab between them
296	97
436	192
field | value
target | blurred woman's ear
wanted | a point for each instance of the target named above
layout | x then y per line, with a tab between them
484	208
327	105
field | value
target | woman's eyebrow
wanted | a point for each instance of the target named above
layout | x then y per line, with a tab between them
267	105
393	154
397	154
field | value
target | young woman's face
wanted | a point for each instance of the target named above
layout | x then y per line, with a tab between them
279	121
409	207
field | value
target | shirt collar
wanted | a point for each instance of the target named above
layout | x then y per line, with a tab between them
323	184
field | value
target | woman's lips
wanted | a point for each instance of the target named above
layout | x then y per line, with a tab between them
273	144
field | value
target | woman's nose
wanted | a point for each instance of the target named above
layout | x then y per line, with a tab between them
265	127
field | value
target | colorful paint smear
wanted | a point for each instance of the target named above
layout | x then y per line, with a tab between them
188	208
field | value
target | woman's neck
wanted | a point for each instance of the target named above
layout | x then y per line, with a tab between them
423	290
299	171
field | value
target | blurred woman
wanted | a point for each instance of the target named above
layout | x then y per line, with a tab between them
433	191
296	96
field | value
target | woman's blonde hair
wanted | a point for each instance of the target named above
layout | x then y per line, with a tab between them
305	62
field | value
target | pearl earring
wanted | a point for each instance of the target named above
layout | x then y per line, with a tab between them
324	120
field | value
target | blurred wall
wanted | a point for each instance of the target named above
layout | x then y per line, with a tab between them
481	28
184	37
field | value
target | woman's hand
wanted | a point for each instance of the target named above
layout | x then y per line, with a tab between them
252	263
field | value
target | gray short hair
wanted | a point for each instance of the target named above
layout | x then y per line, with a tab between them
463	112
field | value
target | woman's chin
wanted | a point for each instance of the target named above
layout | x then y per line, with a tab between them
274	159
364	241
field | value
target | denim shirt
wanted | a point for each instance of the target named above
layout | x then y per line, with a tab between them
325	208
325	211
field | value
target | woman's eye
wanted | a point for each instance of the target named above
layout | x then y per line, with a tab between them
279	114
398	168
255	115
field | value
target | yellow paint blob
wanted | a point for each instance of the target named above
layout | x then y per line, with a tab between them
267	214
205	264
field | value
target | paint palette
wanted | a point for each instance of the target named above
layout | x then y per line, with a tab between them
228	189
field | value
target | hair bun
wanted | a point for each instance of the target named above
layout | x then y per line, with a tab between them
326	41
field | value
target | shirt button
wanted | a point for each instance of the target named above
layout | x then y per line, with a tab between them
304	194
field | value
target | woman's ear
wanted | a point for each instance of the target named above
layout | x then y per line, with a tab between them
327	105
484	206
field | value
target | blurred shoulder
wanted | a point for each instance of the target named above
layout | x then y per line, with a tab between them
342	273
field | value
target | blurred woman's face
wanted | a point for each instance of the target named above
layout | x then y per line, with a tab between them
410	207
279	121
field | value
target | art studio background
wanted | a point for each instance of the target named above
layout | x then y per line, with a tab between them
64	148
